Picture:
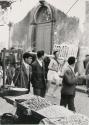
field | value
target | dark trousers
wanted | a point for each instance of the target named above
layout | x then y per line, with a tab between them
68	100
39	92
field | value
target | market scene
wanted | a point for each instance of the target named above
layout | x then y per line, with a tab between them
44	62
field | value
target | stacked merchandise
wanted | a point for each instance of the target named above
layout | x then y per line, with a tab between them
75	119
53	114
27	109
58	115
36	103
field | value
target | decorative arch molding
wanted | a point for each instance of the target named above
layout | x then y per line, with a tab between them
45	5
42	31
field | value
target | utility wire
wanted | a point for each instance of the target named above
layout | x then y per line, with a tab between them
72	6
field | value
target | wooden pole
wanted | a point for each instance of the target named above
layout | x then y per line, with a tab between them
4	67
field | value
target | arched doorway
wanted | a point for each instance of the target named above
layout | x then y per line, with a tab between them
43	29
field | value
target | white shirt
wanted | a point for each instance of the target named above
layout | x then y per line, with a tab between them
27	68
40	62
53	65
72	68
26	65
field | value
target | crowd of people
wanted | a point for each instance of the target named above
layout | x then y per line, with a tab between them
43	71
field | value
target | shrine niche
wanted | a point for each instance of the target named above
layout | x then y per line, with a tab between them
42	33
43	15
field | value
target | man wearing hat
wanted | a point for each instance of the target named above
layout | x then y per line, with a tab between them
23	73
38	75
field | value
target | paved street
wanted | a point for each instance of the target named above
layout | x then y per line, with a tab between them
81	103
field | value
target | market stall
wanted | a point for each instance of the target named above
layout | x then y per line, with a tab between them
31	109
37	110
11	60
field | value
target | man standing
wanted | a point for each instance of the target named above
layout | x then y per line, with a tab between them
38	75
86	60
68	85
23	73
87	77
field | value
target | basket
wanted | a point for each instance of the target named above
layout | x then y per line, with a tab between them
15	91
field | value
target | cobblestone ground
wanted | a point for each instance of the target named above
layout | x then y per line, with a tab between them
81	103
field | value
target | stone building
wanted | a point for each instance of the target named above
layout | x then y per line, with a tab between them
84	41
85	37
37	30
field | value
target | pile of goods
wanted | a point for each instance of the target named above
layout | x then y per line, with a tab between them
55	112
58	115
36	103
52	114
78	119
75	119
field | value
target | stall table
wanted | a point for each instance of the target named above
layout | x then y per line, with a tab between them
26	115
31	113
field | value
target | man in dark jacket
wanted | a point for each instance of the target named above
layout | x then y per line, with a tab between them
23	73
87	78
86	60
38	75
68	85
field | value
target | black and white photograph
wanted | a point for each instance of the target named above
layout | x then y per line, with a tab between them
44	62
